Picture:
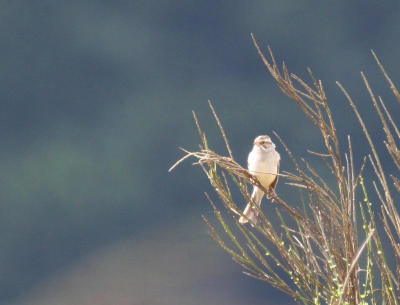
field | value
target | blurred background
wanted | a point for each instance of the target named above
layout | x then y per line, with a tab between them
96	97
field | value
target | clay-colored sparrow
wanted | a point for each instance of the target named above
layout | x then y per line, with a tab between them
263	162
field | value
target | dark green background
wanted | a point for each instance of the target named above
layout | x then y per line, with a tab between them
96	97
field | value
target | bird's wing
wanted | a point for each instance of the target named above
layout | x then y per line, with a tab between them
275	182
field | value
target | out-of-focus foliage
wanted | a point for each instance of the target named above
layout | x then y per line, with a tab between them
95	97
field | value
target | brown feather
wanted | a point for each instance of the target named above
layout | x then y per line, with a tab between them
272	187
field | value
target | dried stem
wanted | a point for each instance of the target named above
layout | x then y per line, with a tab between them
329	249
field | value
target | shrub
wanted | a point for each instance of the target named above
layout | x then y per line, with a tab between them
330	250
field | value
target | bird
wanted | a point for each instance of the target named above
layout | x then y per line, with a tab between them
263	162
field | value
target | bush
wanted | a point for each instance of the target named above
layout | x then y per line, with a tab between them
329	250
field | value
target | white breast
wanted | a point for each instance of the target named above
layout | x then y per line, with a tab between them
264	165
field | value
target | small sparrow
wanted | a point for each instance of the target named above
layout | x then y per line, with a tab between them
263	162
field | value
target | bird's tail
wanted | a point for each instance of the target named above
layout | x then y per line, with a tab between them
250	213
